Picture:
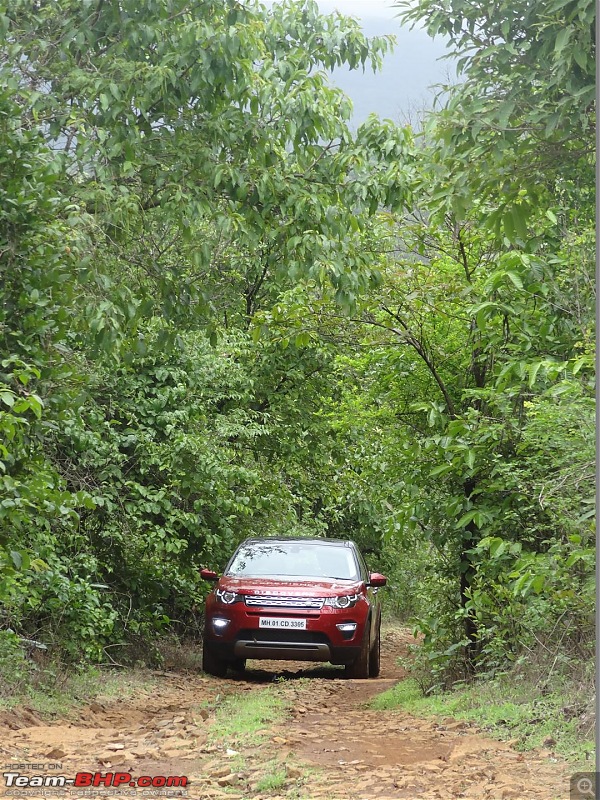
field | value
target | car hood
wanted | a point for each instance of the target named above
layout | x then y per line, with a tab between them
286	587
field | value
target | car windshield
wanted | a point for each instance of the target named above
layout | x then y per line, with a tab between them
294	559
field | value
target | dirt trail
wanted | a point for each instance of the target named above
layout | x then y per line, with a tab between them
330	746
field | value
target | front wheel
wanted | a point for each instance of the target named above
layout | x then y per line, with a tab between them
360	667
211	663
375	654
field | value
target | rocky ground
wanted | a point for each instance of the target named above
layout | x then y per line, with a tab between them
328	745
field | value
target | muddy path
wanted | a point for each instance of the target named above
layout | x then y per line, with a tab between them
327	744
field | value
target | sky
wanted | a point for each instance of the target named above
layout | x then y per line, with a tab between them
356	8
404	86
402	89
360	8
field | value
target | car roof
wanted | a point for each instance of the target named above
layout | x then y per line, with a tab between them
300	539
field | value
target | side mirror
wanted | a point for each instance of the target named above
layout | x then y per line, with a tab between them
376	579
208	575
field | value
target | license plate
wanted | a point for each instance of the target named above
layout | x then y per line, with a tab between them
282	622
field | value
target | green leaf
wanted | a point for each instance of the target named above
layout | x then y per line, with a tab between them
466	519
519	219
562	40
515	279
497	547
538	583
508	224
441	469
302	339
256	333
533	370
7	397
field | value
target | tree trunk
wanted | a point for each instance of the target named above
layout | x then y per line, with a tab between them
467	572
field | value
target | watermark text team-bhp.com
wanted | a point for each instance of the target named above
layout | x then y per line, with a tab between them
23	778
43	783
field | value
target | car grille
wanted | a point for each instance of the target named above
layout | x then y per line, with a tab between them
276	601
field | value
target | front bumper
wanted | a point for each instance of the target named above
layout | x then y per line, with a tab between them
277	650
242	638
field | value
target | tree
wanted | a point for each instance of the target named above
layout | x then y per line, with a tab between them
447	372
189	162
38	514
215	116
517	128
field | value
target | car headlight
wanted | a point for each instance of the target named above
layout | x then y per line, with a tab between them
228	597
344	601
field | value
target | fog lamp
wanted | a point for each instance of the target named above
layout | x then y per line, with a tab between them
219	624
346	627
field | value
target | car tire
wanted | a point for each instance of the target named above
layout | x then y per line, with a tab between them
375	654
211	663
359	668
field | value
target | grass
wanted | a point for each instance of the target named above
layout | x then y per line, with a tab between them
55	690
272	781
49	699
239	718
246	719
507	709
123	684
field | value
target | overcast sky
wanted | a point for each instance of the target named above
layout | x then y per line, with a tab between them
360	8
403	87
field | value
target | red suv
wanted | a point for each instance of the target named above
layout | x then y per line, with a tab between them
294	599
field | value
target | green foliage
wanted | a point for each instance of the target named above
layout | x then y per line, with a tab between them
167	169
35	511
210	116
14	664
474	422
240	717
515	133
521	599
273	781
480	370
509	707
209	328
541	59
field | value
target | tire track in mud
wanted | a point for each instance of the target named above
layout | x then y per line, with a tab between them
330	746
